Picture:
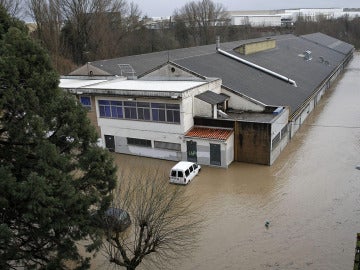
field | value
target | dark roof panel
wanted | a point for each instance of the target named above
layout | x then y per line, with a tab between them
212	98
330	42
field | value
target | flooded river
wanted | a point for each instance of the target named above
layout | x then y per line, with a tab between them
310	196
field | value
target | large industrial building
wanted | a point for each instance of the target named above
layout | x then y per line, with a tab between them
214	104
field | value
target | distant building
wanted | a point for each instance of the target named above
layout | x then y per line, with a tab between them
236	101
287	17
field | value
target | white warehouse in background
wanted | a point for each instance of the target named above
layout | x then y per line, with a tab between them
256	20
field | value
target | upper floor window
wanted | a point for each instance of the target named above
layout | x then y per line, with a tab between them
145	111
110	109
86	102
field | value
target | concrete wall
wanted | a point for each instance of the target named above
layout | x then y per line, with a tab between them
252	142
255	47
202	108
238	102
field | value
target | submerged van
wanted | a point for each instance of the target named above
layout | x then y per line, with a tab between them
183	172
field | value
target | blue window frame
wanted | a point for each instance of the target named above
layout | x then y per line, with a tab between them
111	109
86	102
130	109
145	111
116	109
158	112
173	113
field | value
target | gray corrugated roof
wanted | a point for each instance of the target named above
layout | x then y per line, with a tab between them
329	42
285	59
212	98
144	62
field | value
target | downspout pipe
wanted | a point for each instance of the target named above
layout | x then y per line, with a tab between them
268	71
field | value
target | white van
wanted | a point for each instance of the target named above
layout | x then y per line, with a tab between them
183	172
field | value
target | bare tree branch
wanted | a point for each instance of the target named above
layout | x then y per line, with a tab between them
164	222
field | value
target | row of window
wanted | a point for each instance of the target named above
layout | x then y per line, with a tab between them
157	144
146	111
280	136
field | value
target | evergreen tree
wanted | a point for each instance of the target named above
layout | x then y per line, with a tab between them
51	170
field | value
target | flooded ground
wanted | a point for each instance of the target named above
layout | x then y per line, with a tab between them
310	196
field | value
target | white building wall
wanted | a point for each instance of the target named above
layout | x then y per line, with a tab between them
203	150
238	102
256	20
230	150
280	133
202	108
279	123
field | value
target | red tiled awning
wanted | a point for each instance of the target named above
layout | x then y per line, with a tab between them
209	133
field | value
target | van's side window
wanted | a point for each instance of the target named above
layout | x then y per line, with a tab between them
180	174
173	173
191	168
195	166
187	172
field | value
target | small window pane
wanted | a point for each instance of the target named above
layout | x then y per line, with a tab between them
176	117
180	174
143	104
162	116
158	105
86	101
173	106
130	103
169	116
116	103
146	114
104	102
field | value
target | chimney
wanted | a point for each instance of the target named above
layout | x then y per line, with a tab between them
217	42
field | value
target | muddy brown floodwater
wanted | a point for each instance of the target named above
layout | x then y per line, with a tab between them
310	196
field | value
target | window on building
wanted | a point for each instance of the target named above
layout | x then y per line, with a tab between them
116	109
143	110
104	108
86	102
276	141
167	145
158	112
110	109
130	109
138	142
173	113
284	131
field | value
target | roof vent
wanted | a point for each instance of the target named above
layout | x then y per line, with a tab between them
307	55
127	70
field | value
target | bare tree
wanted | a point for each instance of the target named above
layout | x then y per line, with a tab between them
164	223
48	18
13	7
201	18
